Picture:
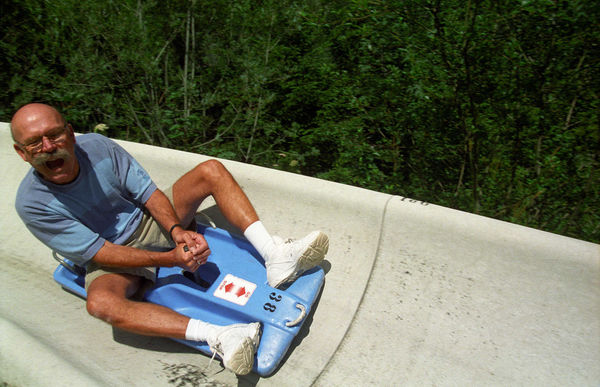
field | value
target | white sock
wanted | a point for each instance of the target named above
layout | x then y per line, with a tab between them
198	330
260	238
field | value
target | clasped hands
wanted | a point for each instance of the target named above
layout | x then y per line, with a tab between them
191	251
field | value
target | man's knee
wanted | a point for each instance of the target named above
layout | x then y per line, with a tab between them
210	171
212	167
107	296
100	306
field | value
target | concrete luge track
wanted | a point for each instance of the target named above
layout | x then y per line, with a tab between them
415	294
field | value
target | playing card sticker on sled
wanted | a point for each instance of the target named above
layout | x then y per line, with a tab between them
234	289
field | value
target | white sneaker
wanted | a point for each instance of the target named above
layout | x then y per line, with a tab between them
236	344
291	258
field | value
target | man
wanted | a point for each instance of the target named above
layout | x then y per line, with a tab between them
89	200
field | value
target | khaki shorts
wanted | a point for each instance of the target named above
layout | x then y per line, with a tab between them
148	236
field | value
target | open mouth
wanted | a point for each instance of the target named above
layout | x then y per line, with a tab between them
54	165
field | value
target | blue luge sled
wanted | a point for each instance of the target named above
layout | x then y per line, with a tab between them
230	288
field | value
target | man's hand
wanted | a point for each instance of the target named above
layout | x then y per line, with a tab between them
192	249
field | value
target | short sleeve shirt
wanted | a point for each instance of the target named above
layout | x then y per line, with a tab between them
104	203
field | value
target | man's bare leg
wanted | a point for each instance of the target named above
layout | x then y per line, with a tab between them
212	178
108	300
284	261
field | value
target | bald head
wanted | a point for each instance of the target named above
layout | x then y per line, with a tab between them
44	140
32	116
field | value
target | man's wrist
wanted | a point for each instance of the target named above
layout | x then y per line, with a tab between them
173	227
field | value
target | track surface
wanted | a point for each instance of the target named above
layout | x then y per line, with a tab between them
415	294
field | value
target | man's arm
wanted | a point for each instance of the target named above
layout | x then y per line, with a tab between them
111	254
124	256
162	210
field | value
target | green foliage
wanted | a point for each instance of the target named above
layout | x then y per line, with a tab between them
485	106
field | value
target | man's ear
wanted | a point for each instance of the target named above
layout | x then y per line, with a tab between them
21	152
71	133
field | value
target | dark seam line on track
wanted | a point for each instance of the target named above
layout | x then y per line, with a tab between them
326	367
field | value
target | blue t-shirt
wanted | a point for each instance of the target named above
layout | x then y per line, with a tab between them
104	203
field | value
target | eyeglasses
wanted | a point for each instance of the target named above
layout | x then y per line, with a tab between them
56	136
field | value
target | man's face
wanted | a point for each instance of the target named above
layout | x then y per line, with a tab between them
47	143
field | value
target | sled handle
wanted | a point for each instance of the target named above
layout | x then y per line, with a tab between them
300	317
71	266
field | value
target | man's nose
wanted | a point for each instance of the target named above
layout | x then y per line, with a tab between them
47	145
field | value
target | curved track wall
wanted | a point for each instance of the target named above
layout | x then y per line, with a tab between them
414	294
